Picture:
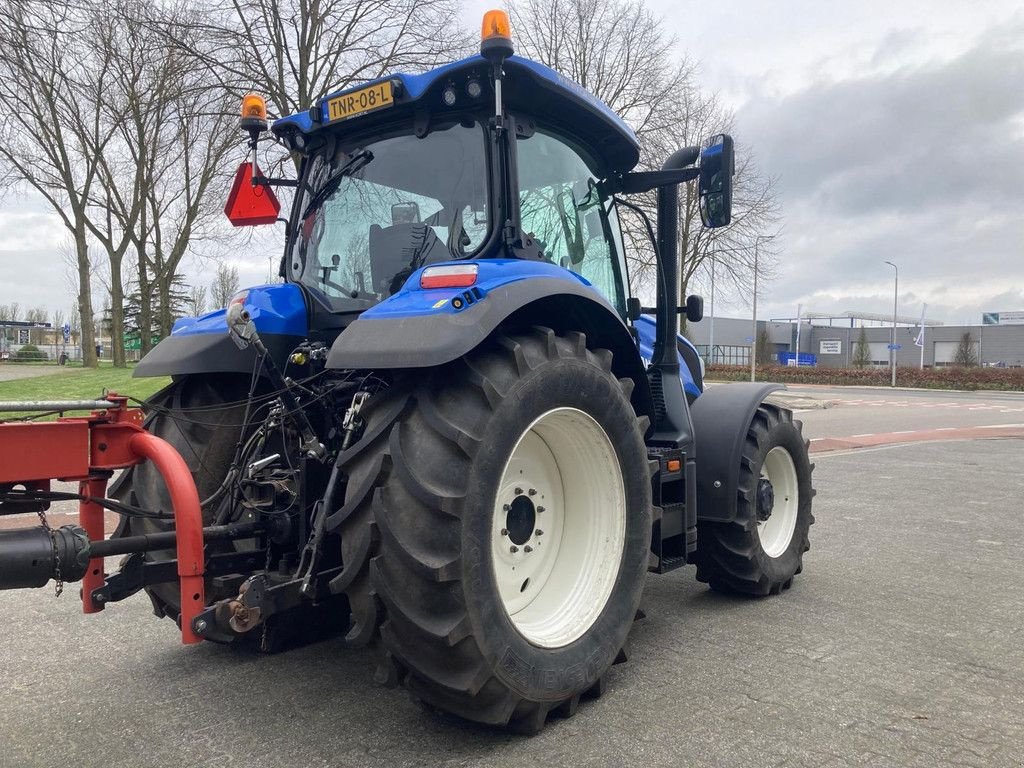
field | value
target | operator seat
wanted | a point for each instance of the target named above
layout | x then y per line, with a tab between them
398	250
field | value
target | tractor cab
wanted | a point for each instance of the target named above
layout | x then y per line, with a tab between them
494	156
424	173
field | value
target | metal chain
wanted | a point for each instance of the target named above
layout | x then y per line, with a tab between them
59	588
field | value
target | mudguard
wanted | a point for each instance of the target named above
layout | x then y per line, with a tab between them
721	418
420	328
202	345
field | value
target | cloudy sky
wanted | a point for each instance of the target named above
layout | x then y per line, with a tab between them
895	130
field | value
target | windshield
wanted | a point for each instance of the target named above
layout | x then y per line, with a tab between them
375	211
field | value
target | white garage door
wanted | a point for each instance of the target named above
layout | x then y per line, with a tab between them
879	352
945	351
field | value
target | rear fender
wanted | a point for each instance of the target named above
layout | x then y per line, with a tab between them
423	328
721	419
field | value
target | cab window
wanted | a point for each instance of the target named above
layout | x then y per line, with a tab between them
560	206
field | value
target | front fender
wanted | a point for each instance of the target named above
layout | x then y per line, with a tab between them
721	419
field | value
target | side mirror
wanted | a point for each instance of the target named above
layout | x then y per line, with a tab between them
715	188
694	308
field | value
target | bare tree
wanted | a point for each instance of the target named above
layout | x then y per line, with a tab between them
52	130
295	51
197	300
620	52
224	286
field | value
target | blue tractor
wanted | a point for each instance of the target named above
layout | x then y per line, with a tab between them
450	430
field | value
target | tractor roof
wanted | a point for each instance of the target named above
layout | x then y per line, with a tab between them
530	90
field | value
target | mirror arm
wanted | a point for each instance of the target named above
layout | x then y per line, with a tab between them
654	310
645	181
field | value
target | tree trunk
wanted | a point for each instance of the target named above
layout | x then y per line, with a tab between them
145	304
116	313
166	319
89	358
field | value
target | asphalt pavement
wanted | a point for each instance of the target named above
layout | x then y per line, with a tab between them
899	645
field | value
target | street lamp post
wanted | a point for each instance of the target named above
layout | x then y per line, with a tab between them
892	343
711	331
753	337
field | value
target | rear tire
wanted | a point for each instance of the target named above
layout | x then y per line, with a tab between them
761	551
428	566
201	417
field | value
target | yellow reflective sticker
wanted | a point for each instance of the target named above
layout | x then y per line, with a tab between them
440	304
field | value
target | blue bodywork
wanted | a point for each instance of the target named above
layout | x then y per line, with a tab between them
275	309
281	309
646	331
492	275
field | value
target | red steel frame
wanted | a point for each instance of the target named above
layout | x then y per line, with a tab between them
86	449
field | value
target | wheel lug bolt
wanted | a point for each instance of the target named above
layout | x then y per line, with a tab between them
519	491
513	549
540	509
538	532
527	549
532	491
504	531
505	508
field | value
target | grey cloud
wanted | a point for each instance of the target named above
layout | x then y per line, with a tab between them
938	134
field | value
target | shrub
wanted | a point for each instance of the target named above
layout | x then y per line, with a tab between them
29	353
1010	379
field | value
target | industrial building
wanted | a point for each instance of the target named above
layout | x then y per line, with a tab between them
829	339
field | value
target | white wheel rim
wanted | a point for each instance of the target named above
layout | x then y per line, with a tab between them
777	531
559	527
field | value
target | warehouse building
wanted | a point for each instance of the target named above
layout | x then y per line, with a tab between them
830	339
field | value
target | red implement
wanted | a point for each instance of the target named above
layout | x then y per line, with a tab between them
86	449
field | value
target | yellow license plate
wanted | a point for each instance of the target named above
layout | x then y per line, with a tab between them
369	99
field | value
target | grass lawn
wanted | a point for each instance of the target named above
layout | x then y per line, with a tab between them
80	384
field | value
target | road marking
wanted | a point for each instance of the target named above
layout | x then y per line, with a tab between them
973	501
866	434
904	432
986	541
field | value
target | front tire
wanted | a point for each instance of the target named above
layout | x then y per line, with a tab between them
761	551
528	442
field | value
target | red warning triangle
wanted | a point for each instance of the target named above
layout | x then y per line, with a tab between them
247	205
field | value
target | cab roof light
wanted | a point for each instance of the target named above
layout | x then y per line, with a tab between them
496	24
449	276
254	113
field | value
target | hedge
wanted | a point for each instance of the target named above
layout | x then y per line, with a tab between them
29	353
1010	379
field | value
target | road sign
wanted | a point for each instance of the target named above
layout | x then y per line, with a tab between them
750	339
67	332
895	347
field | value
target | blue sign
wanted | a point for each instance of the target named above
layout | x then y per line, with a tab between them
67	333
750	339
895	347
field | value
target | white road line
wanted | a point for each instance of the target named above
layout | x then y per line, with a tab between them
904	432
986	541
866	434
946	429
